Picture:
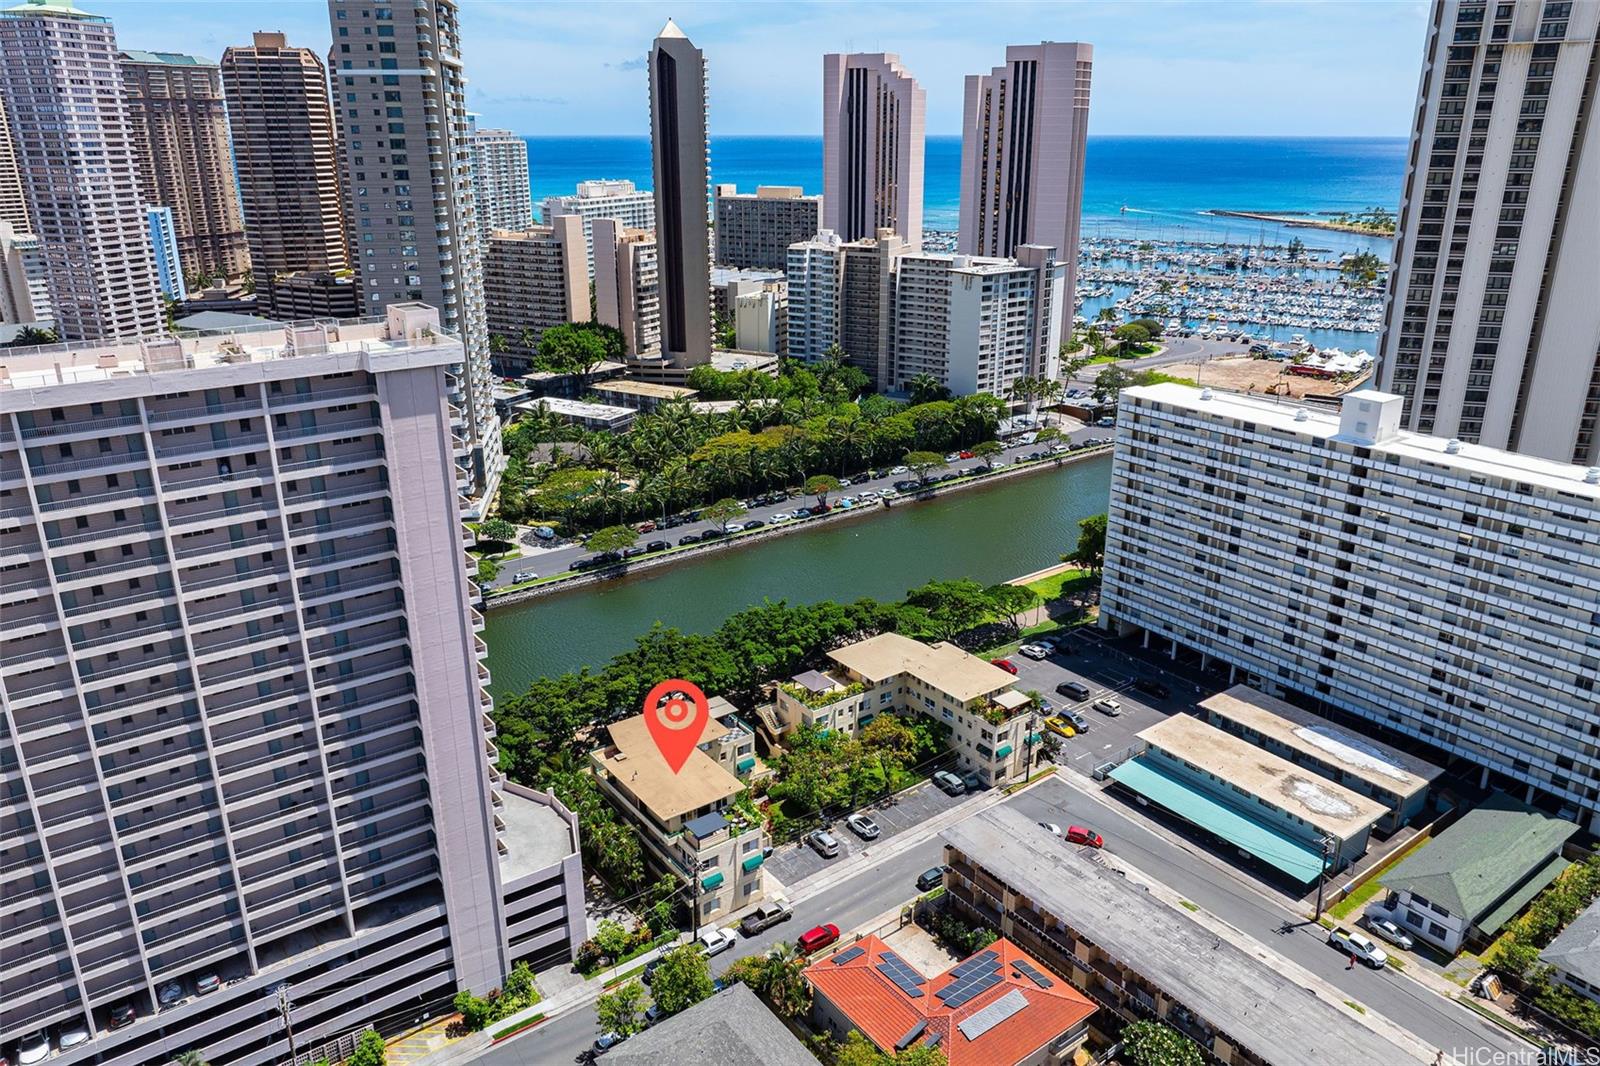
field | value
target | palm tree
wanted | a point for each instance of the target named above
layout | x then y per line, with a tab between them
785	978
529	339
1022	390
607	495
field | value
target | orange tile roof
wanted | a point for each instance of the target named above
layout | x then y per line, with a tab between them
875	1005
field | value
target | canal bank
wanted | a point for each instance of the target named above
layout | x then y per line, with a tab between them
989	532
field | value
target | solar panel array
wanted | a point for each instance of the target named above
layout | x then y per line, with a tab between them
911	1034
973	977
985	961
1031	972
933	1039
992	1015
901	973
848	954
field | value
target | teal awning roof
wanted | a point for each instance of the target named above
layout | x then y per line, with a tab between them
1003	751
711	881
1266	843
753	861
1034	738
746	763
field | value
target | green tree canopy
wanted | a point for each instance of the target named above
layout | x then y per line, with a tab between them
723	511
496	530
682	979
369	1050
571	349
1150	1043
621	1010
819	485
923	463
612	539
988	451
1090	552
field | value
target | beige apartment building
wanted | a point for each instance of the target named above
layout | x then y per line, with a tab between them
248	739
613	198
80	178
627	290
533	279
874	125
180	136
842	292
755	230
285	151
24	279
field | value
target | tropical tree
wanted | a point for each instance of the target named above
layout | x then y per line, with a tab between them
889	738
819	485
1132	333
607	495
1151	1043
787	989
682	979
621	1010
988	451
723	511
571	349
925	388
496	531
924	463
612	539
498	345
189	1058
1091	550
369	1050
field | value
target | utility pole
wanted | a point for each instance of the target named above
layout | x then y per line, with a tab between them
284	1007
1322	875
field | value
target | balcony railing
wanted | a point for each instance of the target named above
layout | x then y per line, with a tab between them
53	467
172	449
122	529
61	429
189	414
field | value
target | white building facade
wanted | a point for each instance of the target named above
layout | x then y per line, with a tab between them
1444	591
612	198
500	181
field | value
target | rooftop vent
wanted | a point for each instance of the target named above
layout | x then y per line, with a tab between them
1302	415
1205	394
1452	446
1592	476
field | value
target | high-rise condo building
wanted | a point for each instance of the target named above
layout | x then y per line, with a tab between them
13	200
977	324
761	318
681	157
613	198
756	230
1442	591
180	137
873	129
1492	332
163	229
248	732
500	181
1023	132
80	177
842	292
400	90
24	281
286	152
533	279
627	290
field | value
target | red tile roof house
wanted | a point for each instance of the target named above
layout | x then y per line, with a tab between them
997	1008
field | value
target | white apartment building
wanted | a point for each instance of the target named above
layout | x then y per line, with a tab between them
504	199
24	280
874	127
247	737
761	319
627	291
1493	330
399	88
80	177
976	323
533	279
815	272
1443	591
163	237
755	230
611	198
842	292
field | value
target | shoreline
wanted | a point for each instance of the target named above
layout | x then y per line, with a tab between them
566	582
1302	222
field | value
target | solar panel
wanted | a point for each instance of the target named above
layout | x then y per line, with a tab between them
851	953
900	972
933	1039
992	1015
1030	971
973	986
911	1034
977	962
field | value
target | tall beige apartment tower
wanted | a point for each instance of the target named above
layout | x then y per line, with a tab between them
627	284
406	169
13	201
1492	332
873	130
285	148
681	157
534	279
80	177
180	136
247	737
1023	132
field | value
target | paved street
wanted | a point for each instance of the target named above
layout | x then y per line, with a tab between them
794	862
543	562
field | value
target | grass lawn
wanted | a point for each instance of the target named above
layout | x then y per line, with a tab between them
1357	900
510	1030
1057	585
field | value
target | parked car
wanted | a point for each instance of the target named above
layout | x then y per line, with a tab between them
1151	687
716	941
972	781
711	534
949	782
646	526
206	984
72	1034
169	994
1105	422
964	454
863	827
901	470
1079	722
754	523
658	546
1058	724
35	1047
781	517
736	527
122	1015
952	457
1080	834
1073	689
653	1014
930	879
1052	827
1005	664
1359	945
1108	706
650	970
606	1041
1034	651
689	538
766	916
817	938
823	843
1386	927
634	552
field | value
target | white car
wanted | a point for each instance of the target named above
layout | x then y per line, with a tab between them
35	1047
780	518
1108	706
869	494
716	941
844	483
72	1034
863	827
736	527
1053	827
1382	925
1361	946
1034	651
952	457
901	470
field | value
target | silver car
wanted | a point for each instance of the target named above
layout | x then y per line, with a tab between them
863	827
1389	930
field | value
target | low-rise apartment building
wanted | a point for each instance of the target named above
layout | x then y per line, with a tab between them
533	279
755	230
1442	591
992	726
247	723
689	822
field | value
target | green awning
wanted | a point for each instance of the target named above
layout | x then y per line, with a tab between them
712	881
753	861
1034	738
1003	751
746	763
1490	923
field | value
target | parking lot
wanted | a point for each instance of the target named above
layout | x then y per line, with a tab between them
795	862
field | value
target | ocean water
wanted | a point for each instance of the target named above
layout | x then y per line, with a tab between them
1165	183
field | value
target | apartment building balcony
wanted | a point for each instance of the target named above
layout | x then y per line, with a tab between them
169	818
347	589
348	520
144	792
126	497
97	672
234	577
381	886
353	819
342	493
36	981
73	574
279	924
198	941
118	768
130	703
204	513
93	608
390	664
26	691
321	397
187	901
376	630
16	933
343	460
348	552
227	642
46	471
219	475
191	447
107	536
328	429
193	414
73	429
54	752
198	547
360	781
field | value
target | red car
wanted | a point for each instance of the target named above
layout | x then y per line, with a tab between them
1005	664
817	939
1078	834
965	455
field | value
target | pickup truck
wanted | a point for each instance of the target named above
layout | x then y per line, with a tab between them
766	916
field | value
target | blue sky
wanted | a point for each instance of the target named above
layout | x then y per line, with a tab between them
1212	67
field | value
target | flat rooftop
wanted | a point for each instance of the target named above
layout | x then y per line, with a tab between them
645	388
558	405
946	667
536	836
1321	424
1253	1004
1320	740
638	769
1324	804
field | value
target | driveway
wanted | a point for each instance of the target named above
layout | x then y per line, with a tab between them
793	863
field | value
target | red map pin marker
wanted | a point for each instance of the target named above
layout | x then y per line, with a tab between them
676	712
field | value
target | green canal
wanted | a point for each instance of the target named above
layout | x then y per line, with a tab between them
990	534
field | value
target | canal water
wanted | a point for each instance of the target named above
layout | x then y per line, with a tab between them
989	534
